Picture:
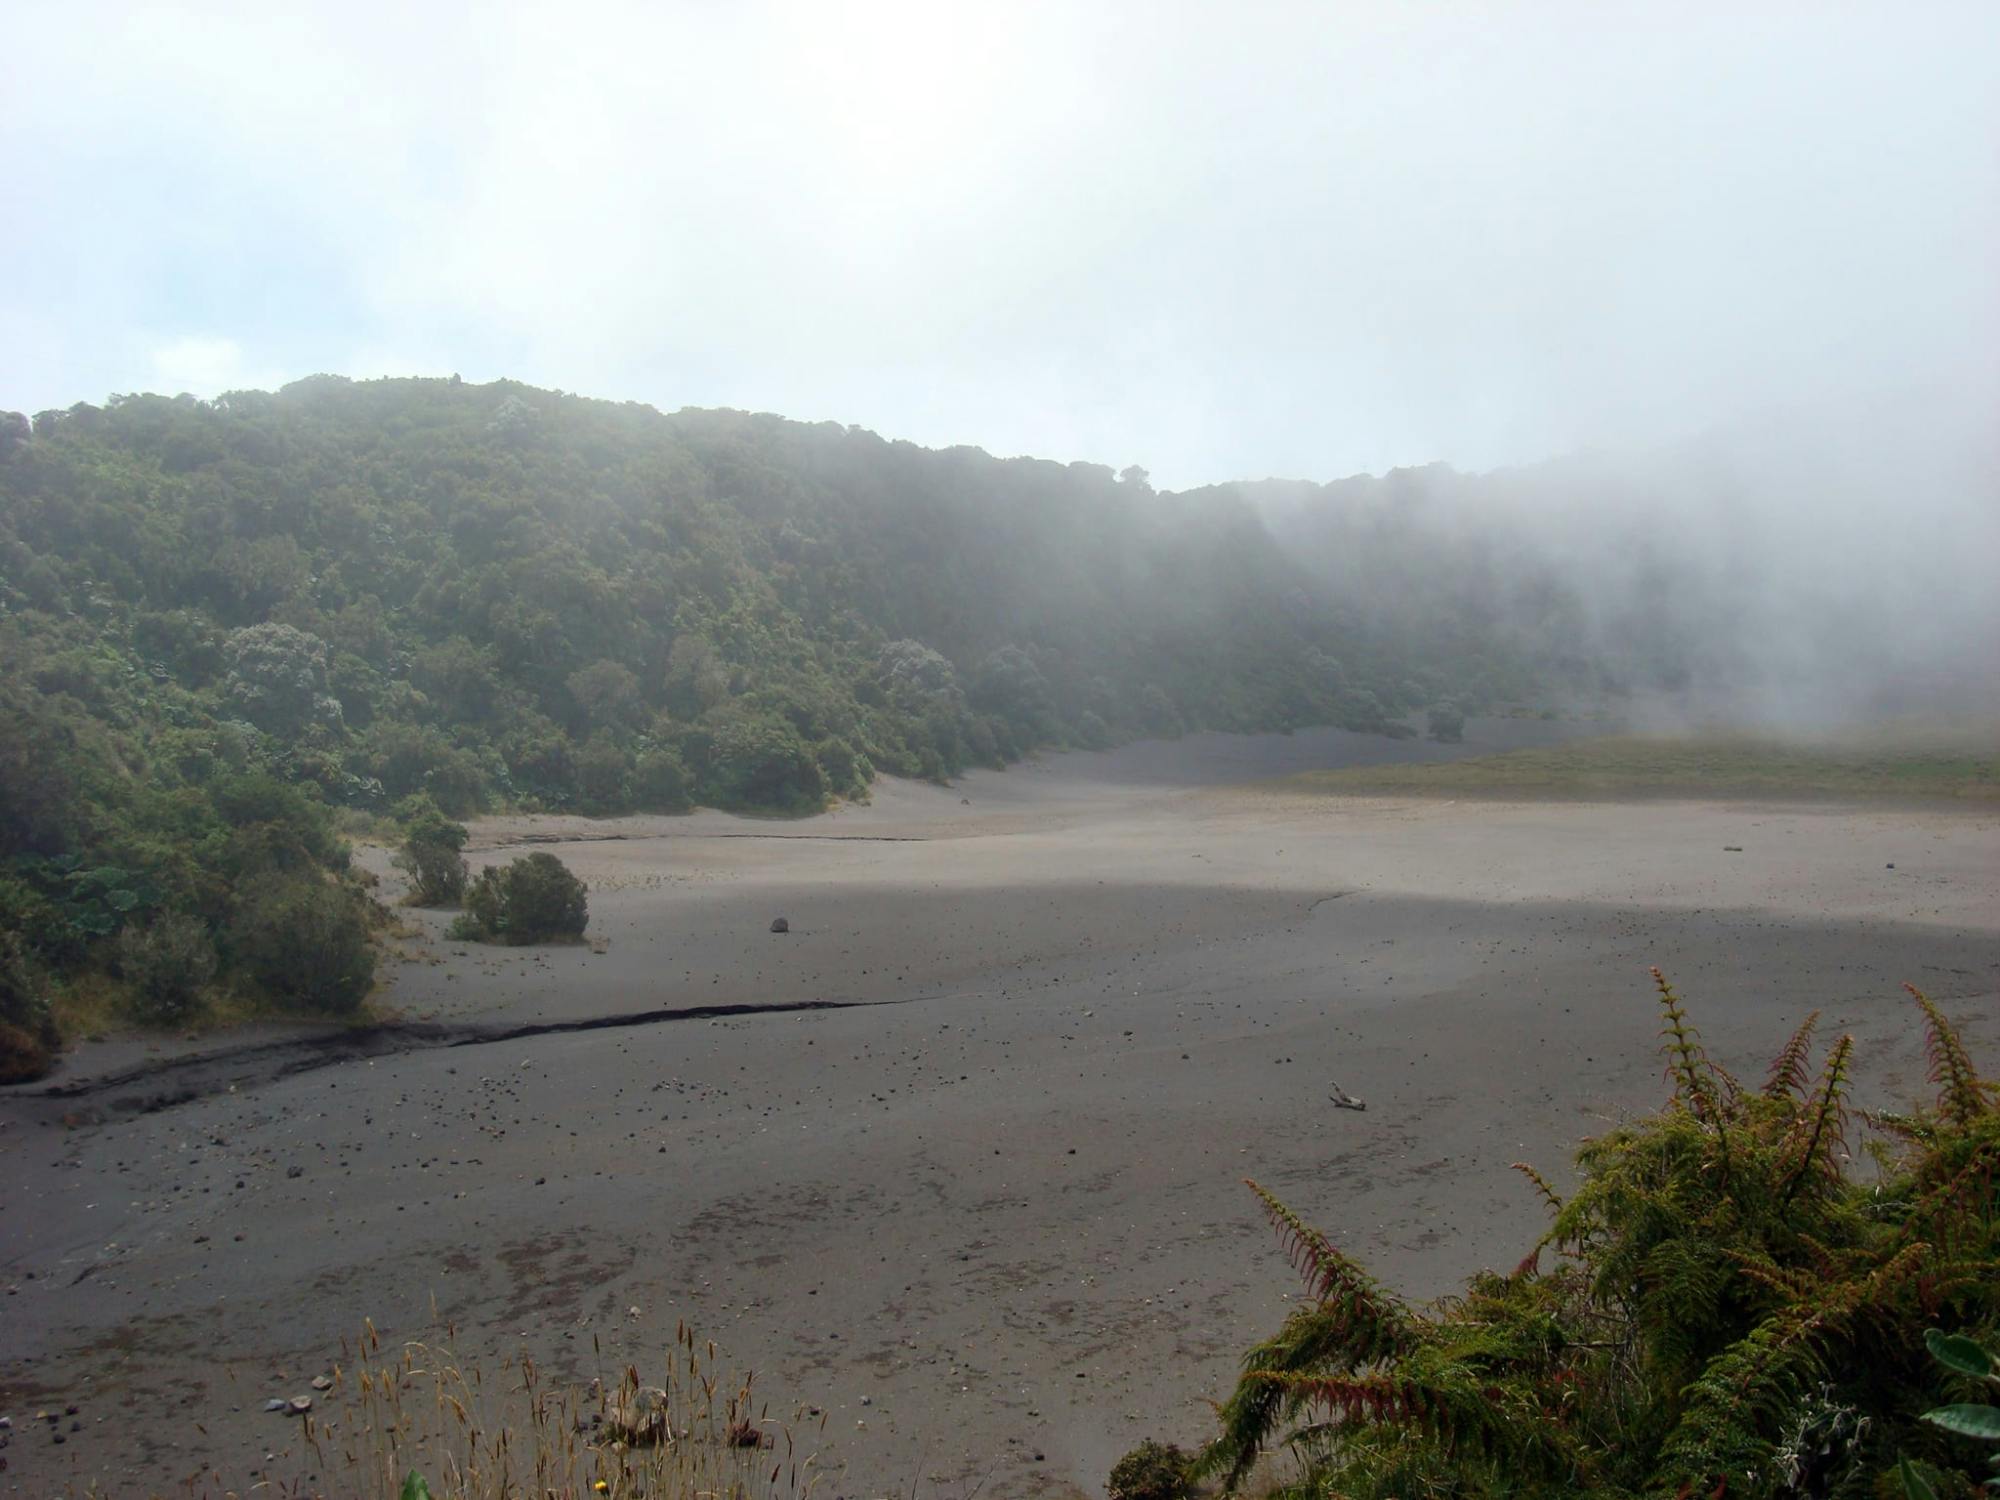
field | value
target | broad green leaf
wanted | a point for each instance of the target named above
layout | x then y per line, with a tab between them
1968	1419
415	1487
1915	1487
1959	1352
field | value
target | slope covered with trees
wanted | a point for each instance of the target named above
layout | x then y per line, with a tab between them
222	621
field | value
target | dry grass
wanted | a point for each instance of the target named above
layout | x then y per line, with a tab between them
92	1006
512	1433
1930	769
474	1438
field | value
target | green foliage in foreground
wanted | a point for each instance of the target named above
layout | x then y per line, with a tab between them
1723	1307
1979	1420
1692	767
533	900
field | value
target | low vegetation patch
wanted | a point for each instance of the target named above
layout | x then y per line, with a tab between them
533	900
1638	766
417	1423
1727	1305
1152	1471
431	856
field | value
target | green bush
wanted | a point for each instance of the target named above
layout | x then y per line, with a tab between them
438	873
846	770
303	941
660	782
1447	724
27	1029
168	965
533	900
603	771
430	855
758	760
1151	1471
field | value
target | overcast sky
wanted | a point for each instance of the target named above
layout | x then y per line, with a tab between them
1220	240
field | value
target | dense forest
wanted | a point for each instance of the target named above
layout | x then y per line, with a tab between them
223	622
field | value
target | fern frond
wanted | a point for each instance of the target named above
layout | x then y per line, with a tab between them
1789	1072
1825	1121
1960	1097
1549	1195
1357	1398
1958	1204
1352	1322
1313	1338
1468	1414
1789	1282
1751	1391
1686	1064
1377	1322
1695	1077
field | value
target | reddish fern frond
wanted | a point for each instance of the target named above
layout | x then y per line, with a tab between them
1549	1195
1960	1098
1357	1398
1780	1279
1825	1122
1825	1263
1947	1208
1380	1323
1902	1267
1458	1409
1790	1071
1731	1089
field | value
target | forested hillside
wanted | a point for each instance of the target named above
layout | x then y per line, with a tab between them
222	621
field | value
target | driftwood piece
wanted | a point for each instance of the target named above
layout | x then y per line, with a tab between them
1344	1100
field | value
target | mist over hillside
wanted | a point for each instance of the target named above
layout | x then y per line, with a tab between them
1809	572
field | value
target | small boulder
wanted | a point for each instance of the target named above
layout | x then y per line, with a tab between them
638	1417
779	924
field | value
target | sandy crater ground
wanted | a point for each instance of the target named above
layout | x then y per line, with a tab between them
988	1216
